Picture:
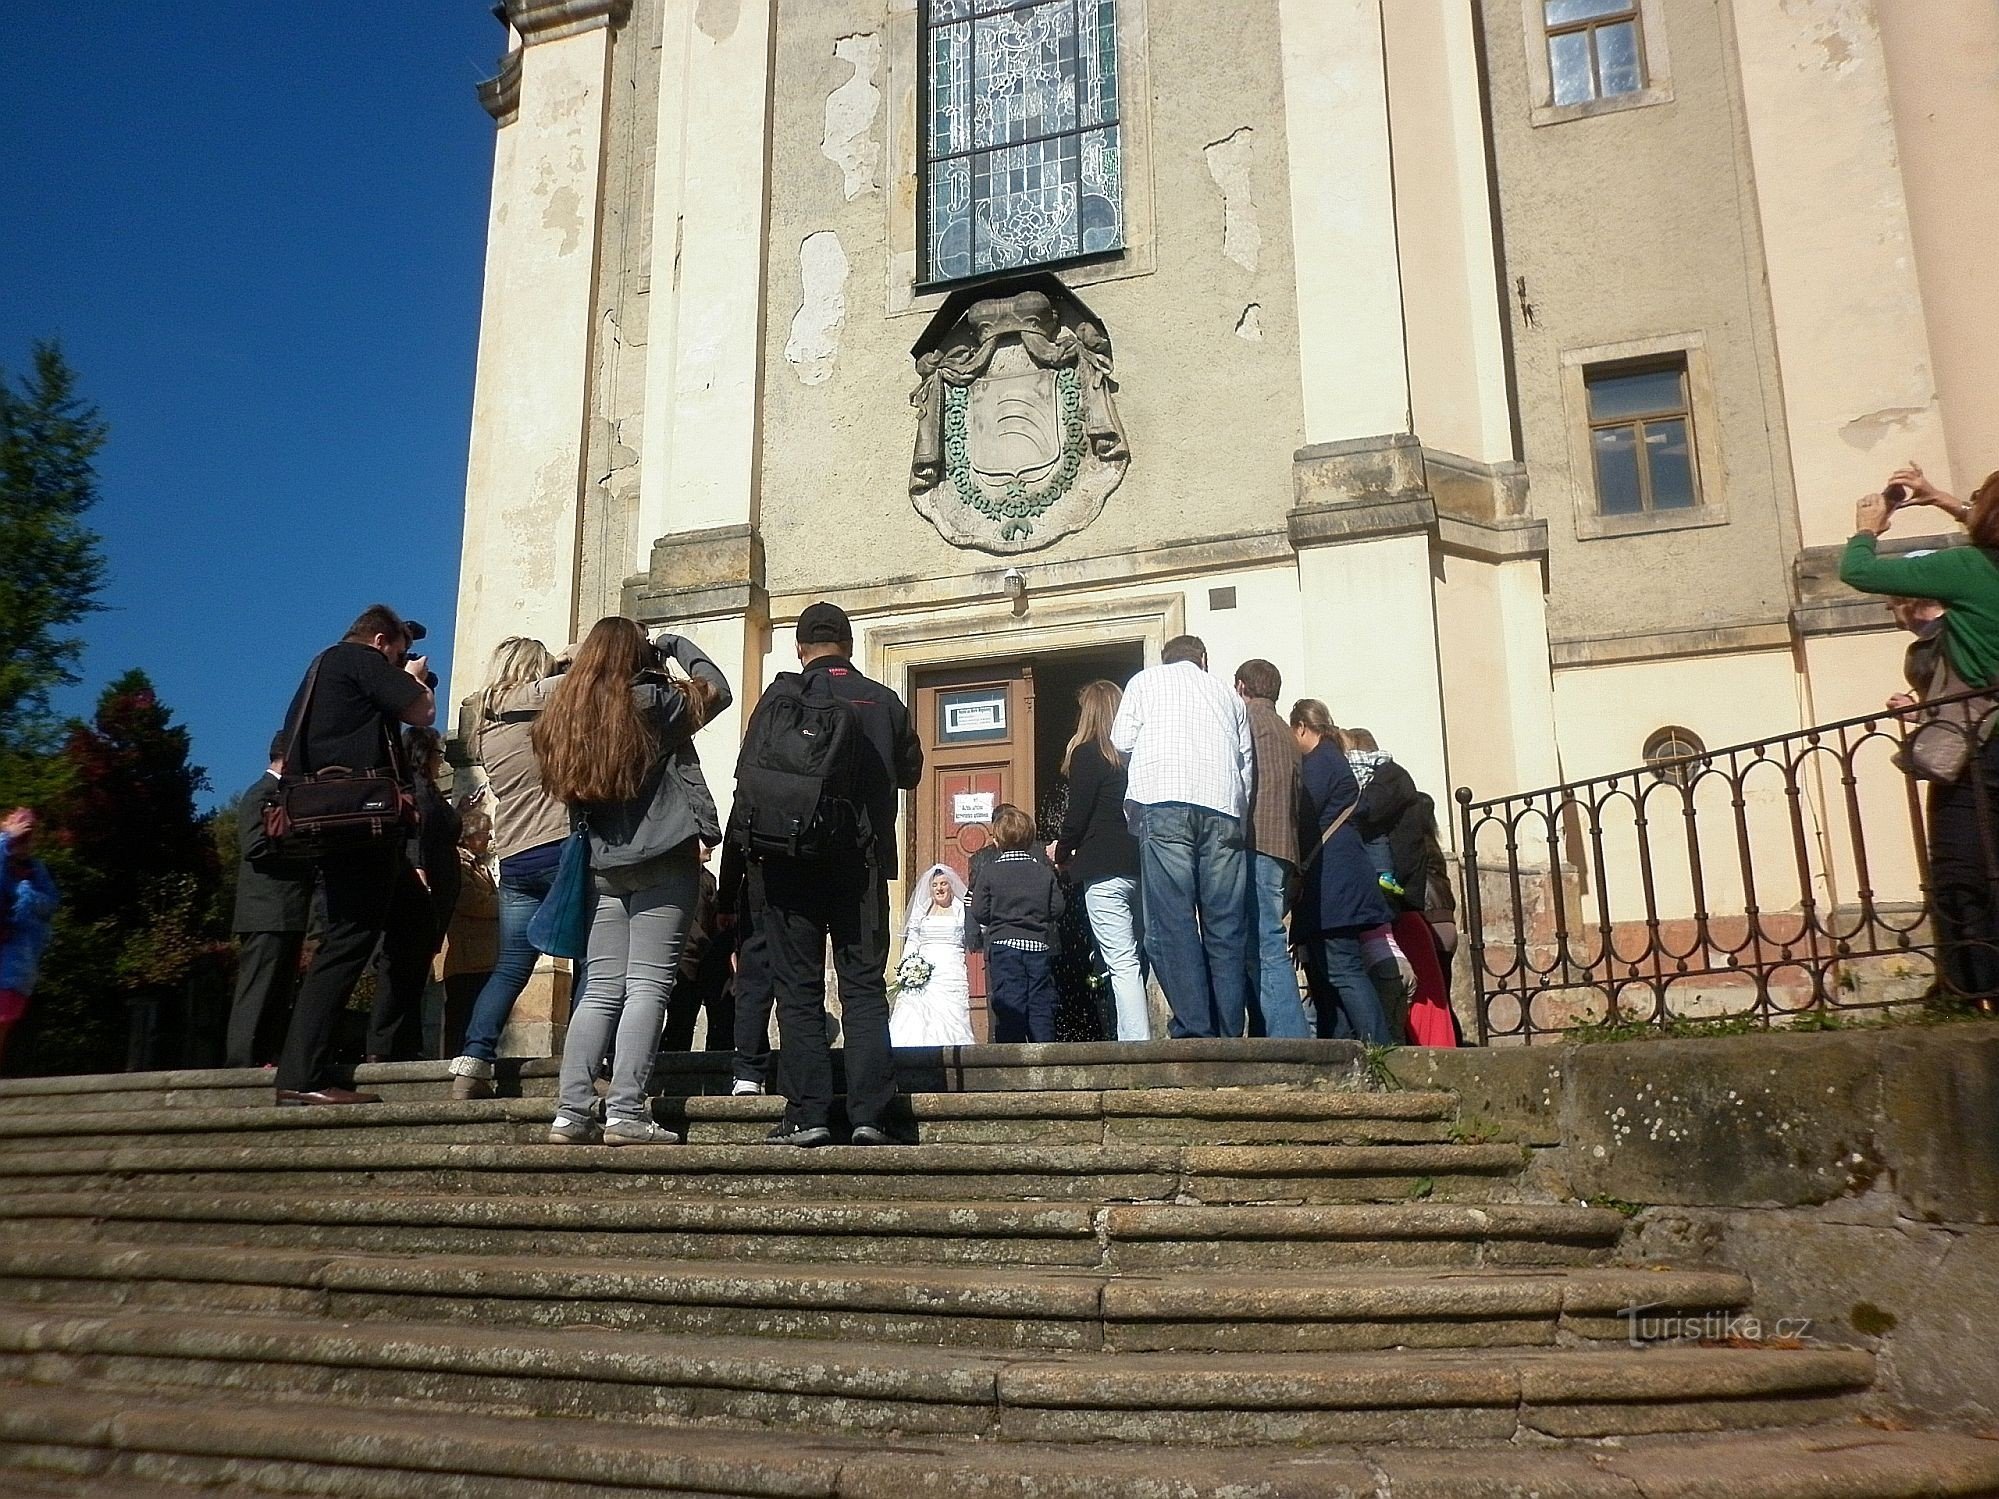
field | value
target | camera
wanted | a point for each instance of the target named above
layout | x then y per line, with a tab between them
1897	495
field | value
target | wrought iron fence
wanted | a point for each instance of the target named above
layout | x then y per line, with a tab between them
1838	868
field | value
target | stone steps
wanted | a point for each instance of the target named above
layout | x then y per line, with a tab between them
1123	1237
1430	1397
126	1445
1054	1067
1119	1173
967	1306
1164	1116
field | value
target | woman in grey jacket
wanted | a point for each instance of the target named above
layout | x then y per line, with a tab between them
616	745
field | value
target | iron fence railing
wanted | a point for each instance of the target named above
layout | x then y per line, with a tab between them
1836	868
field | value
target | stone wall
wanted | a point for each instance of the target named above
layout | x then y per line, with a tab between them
1853	1175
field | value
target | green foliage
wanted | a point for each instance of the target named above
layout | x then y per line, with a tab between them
50	566
1619	1205
1474	1131
1423	1187
140	873
1376	1073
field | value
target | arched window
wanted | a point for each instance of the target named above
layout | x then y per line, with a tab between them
1674	754
1022	159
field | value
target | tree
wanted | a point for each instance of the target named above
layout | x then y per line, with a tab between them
140	924
50	565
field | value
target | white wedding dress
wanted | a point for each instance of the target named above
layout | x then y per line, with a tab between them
940	1013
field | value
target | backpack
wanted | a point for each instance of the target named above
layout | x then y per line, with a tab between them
799	774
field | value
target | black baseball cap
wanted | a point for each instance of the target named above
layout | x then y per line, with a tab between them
824	624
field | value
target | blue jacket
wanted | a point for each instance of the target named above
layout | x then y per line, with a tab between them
26	904
1340	891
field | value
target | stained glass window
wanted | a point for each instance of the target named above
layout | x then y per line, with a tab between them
1022	157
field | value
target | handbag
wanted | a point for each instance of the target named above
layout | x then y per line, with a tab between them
560	926
1941	738
336	809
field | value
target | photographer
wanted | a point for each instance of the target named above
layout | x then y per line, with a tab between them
347	712
616	744
1963	813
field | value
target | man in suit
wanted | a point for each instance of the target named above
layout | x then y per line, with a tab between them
273	903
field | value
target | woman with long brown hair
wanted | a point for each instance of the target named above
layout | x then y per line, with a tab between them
1097	851
616	745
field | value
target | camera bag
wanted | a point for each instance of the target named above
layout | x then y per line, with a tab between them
336	809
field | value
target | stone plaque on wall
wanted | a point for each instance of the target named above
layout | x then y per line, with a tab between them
1018	441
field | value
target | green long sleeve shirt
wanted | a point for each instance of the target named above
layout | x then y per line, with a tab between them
1965	580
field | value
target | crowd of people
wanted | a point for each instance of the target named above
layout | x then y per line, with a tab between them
1205	840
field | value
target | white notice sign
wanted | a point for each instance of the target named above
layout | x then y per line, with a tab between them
972	806
980	716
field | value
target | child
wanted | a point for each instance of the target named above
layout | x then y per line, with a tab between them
1013	912
28	900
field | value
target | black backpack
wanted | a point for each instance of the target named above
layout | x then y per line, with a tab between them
798	776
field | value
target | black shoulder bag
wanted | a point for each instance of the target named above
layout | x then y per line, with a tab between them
336	810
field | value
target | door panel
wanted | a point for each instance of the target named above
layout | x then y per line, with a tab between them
977	726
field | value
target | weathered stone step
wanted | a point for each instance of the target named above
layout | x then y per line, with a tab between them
244	1443
999	1233
1128	1173
969	1305
950	1069
1167	1116
1434	1398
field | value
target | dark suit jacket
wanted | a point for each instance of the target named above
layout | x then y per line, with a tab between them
271	895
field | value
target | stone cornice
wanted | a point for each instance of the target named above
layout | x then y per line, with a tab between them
501	94
551	20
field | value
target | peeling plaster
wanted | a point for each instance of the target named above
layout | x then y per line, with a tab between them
564	212
717	18
1249	327
1866	432
849	142
1230	161
815	327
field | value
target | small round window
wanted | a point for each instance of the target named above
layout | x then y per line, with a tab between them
1674	754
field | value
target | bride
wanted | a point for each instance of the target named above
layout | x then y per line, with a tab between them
937	1010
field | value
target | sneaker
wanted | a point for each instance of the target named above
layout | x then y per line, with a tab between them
471	1077
744	1088
800	1134
638	1132
567	1131
871	1134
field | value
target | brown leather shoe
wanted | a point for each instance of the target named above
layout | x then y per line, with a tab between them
291	1097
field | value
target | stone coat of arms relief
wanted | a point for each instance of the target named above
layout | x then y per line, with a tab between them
1018	441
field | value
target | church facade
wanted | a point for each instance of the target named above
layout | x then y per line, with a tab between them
1505	371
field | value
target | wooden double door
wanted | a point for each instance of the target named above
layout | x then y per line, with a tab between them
977	726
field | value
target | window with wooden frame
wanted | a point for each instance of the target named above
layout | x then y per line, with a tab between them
1022	153
1596	49
1641	437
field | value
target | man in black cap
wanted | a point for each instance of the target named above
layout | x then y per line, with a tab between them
797	907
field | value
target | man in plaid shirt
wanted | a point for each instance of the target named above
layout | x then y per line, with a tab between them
1187	738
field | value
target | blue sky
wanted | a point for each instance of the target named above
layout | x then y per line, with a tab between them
258	230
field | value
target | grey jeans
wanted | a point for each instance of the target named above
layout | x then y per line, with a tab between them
635	940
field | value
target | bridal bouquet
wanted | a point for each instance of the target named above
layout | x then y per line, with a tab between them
912	974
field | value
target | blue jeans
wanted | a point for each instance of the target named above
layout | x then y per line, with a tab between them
1020	986
1349	1004
1194	884
1280	1010
519	900
1112	906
